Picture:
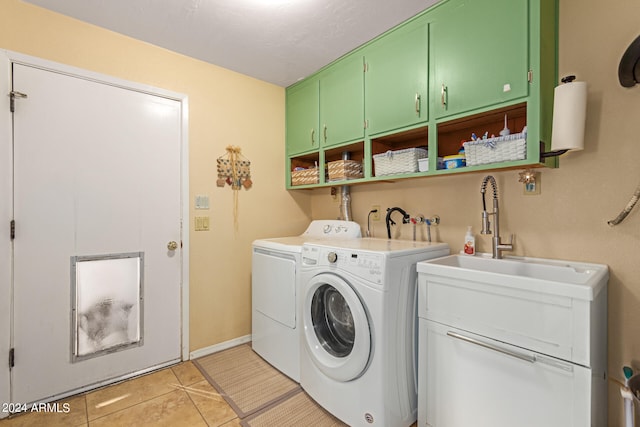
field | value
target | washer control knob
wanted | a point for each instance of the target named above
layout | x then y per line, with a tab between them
332	257
327	228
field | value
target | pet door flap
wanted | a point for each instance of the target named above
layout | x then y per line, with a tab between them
106	303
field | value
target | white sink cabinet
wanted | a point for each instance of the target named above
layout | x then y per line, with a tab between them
517	341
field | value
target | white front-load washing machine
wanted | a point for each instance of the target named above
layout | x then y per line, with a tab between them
359	325
275	331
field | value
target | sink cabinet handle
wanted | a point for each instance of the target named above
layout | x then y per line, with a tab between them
417	104
313	137
443	96
526	357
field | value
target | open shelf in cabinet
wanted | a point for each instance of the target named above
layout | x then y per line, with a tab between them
355	150
305	161
452	134
410	139
304	169
340	169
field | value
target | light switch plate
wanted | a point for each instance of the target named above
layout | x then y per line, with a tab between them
201	223
202	202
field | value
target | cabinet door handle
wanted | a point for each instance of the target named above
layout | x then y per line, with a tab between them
443	95
313	137
325	133
526	357
417	104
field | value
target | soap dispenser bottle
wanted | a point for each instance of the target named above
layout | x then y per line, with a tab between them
469	242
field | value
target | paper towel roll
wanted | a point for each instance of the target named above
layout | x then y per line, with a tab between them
569	116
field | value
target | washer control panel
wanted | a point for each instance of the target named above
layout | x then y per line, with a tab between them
365	265
333	229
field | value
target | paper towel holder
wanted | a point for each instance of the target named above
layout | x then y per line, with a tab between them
543	155
629	68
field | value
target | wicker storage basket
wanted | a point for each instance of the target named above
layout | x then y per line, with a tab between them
344	169
400	161
304	176
498	149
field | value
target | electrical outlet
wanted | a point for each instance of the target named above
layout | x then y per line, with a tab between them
334	195
375	216
533	188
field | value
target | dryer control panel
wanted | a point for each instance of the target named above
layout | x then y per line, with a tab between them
365	265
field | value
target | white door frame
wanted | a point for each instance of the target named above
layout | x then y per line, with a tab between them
7	58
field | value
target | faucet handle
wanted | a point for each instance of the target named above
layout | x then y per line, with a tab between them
506	246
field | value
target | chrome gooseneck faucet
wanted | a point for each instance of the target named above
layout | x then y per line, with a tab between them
405	218
498	246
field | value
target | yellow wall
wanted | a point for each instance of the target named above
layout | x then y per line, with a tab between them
225	108
569	219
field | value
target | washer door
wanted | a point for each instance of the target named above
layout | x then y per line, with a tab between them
336	328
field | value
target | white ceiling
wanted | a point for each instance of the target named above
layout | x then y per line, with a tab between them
278	41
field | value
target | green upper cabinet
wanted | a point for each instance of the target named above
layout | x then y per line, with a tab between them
458	68
342	101
302	114
480	54
396	78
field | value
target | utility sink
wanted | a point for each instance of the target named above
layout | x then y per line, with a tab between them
565	278
557	308
527	332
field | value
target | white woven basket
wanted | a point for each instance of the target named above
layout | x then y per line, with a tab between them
494	150
399	161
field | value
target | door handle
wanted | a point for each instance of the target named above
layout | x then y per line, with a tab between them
172	245
526	357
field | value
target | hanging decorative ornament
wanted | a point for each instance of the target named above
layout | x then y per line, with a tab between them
527	176
234	170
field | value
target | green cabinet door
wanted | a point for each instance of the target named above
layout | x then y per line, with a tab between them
342	101
397	78
480	54
302	114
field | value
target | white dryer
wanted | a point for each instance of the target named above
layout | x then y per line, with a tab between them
274	288
359	325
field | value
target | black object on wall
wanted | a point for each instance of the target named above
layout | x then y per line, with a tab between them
629	68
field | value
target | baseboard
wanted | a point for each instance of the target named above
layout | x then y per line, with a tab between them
219	347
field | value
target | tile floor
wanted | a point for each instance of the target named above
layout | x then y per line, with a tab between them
175	396
178	396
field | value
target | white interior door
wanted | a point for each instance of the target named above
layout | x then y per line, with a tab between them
97	199
6	174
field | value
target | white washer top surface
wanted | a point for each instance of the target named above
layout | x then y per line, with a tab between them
387	246
291	244
318	230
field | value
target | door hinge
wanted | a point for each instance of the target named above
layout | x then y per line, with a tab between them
13	95
12	229
12	358
530	76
